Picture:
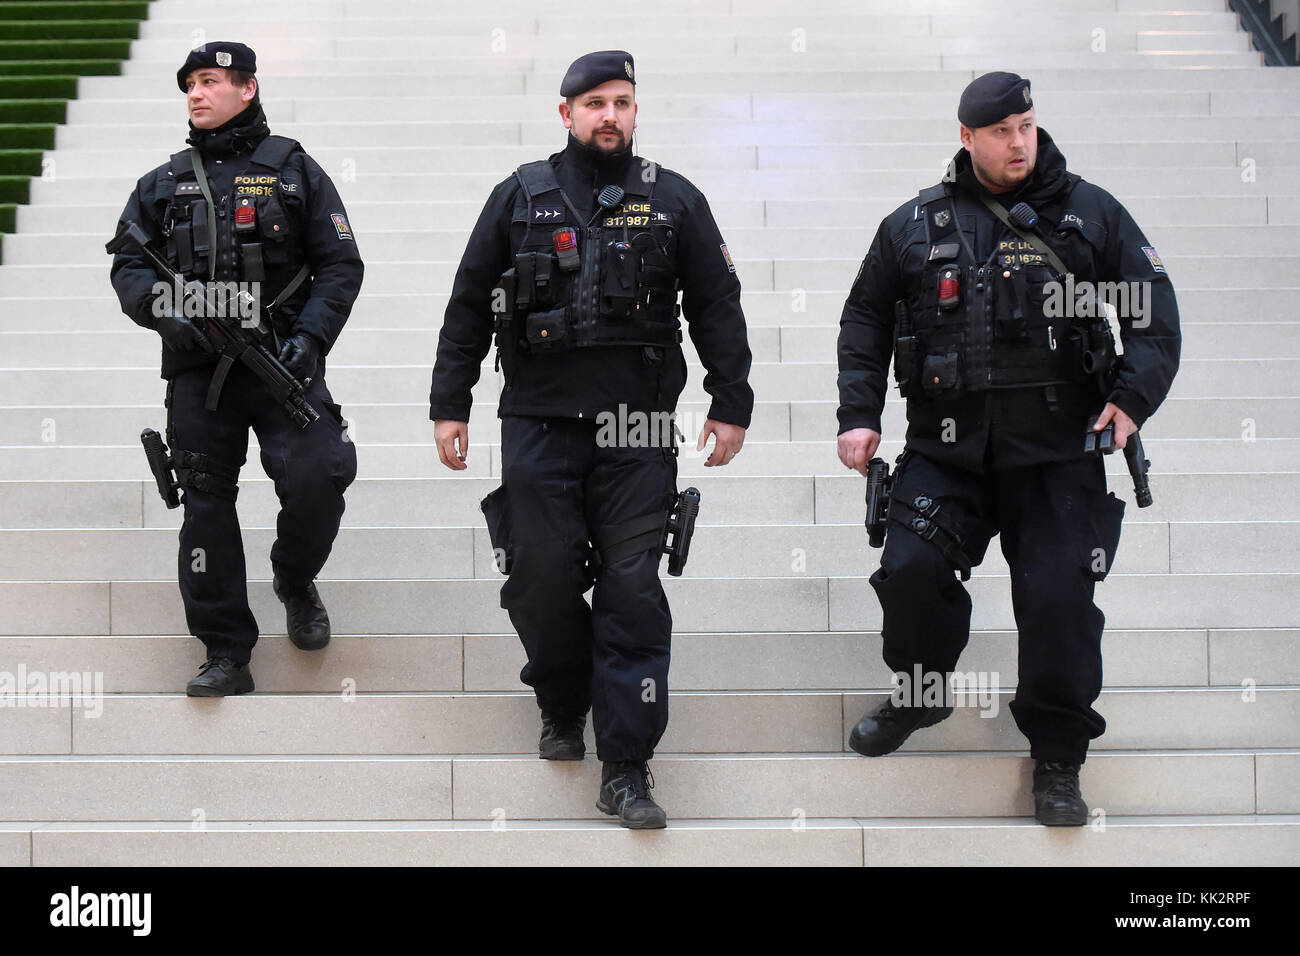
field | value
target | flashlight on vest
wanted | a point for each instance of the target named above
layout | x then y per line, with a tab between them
245	216
565	241
949	288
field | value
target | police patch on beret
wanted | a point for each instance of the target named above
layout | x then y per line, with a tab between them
219	53
589	71
993	97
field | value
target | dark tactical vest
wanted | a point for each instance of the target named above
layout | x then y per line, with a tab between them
618	287
969	326
214	240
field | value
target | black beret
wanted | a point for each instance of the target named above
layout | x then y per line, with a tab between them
221	53
588	72
993	97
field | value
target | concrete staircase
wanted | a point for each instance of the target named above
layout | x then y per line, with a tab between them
411	740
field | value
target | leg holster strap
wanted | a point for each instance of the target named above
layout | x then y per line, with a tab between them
205	473
925	517
616	542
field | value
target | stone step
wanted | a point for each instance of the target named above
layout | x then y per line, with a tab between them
734	605
453	501
657	52
761	550
413	459
334	142
352	721
128	346
413	173
790	381
163	107
157	664
1181	418
1222	840
233	11
780	275
394	244
422	311
488	81
65	790
299	59
818	27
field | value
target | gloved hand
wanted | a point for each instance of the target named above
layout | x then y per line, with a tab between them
299	355
182	335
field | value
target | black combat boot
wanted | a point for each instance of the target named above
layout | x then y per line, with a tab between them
562	738
884	729
625	792
1057	800
220	677
305	618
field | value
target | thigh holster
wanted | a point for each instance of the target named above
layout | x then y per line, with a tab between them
204	473
618	541
926	518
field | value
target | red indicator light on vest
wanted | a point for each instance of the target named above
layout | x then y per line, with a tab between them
245	214
949	289
565	240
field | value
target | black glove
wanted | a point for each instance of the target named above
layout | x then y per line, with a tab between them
299	355
182	335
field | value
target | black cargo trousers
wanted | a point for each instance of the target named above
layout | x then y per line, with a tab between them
565	495
1059	532
310	467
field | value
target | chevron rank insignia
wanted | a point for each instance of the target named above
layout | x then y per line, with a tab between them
548	213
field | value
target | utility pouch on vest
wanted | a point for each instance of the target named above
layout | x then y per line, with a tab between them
524	277
940	374
199	238
543	329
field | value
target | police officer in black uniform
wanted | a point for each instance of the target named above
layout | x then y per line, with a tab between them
1003	378
242	206
576	262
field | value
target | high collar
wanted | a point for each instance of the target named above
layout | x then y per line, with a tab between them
1048	180
593	166
236	135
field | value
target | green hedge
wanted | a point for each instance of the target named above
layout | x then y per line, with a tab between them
15	189
20	162
45	46
33	111
27	136
59	10
73	68
65	49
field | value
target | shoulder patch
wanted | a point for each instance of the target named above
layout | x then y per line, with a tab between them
341	225
731	266
1154	258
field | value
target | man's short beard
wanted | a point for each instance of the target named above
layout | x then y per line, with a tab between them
1000	182
594	142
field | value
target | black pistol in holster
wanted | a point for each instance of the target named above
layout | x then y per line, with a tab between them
880	484
231	339
160	463
1103	443
679	529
